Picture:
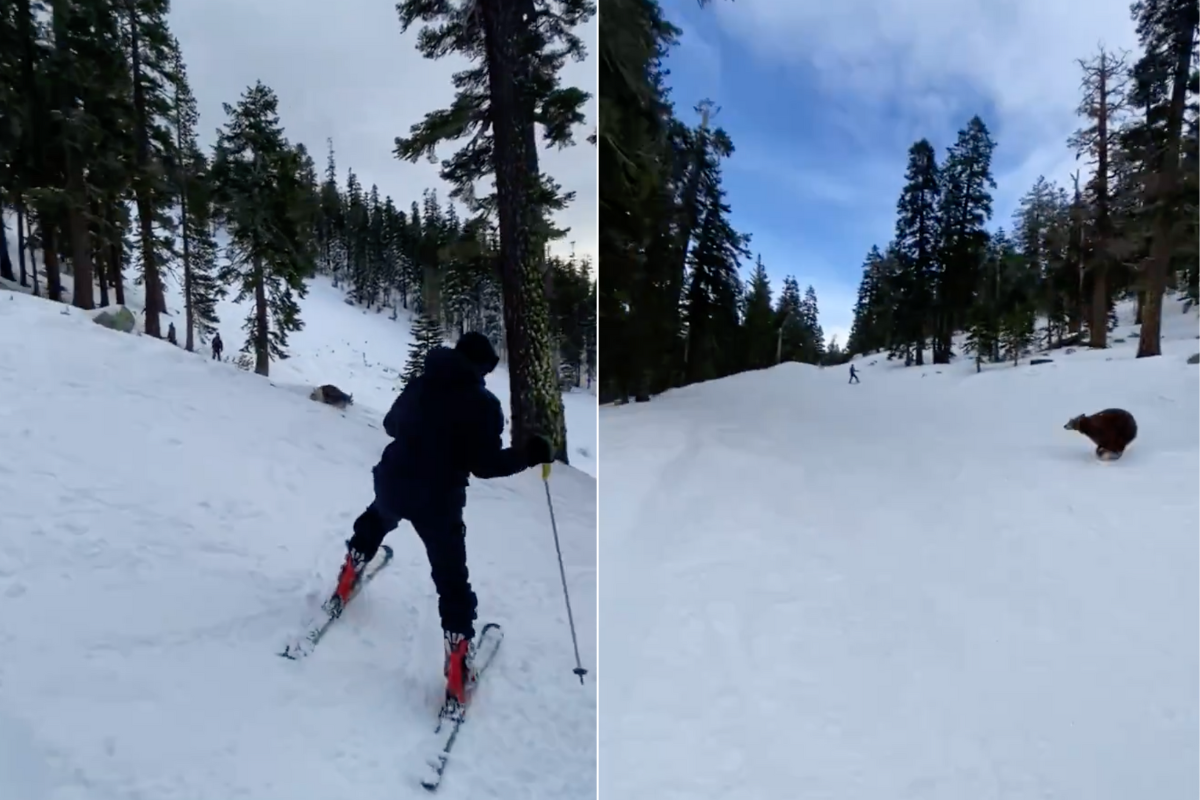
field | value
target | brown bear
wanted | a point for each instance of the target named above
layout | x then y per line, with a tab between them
331	395
1111	430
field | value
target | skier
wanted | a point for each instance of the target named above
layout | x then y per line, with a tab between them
854	375
445	425
217	347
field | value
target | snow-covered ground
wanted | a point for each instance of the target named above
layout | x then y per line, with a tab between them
919	586
364	351
167	521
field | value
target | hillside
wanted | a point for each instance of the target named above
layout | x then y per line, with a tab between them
919	586
169	521
359	350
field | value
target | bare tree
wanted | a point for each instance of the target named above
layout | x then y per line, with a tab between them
1104	79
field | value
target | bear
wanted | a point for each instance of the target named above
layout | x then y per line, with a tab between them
1111	430
331	395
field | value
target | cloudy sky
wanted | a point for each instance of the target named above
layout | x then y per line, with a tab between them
823	100
343	71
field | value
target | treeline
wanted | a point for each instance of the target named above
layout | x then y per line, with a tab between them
100	162
443	268
673	307
101	167
1130	230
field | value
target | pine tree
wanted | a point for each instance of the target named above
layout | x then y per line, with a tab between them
111	164
1017	332
518	53
835	354
964	208
202	286
427	335
590	326
1034	224
492	323
390	233
73	96
266	201
917	245
813	335
331	227
759	326
201	290
714	290
984	320
871	328
355	237
150	56
569	288
793	335
1019	284
10	125
649	206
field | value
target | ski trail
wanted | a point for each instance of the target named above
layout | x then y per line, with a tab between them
918	586
156	570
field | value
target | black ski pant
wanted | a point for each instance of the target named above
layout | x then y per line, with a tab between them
445	538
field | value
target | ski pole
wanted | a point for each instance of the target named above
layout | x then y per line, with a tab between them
579	670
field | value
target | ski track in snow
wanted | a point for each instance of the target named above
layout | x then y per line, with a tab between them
149	575
920	586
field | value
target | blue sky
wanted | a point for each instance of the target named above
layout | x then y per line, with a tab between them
823	100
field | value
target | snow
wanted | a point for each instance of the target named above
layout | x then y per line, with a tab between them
361	351
29	772
152	571
919	586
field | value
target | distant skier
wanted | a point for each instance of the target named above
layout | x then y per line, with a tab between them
171	334
445	425
217	347
854	375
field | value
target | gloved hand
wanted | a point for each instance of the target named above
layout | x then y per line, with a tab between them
538	450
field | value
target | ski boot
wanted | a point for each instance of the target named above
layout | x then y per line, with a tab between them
348	578
459	667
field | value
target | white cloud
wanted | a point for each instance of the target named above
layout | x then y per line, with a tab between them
1020	55
808	181
345	71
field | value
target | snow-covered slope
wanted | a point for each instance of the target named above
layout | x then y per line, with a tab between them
364	351
358	350
167	521
920	586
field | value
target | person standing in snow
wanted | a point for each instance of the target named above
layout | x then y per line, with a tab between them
217	347
854	375
445	426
